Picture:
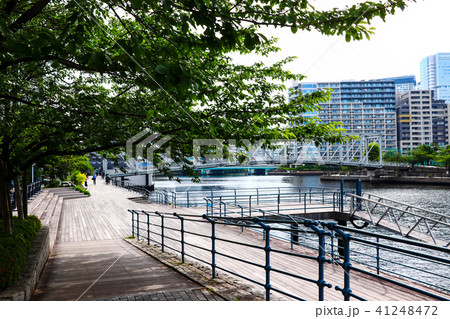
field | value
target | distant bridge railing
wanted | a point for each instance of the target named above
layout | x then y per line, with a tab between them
357	251
408	220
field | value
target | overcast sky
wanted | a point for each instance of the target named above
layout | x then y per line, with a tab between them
395	49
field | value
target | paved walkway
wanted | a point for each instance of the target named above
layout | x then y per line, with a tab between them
91	261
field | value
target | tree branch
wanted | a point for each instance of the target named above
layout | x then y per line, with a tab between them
28	15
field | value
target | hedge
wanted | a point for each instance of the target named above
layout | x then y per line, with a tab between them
14	248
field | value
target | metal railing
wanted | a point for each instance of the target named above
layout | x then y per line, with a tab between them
408	220
276	203
199	238
191	198
32	190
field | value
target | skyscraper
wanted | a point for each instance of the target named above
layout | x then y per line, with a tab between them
435	75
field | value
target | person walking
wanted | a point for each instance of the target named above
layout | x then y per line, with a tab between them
94	178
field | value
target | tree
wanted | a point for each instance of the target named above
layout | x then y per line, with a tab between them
59	167
423	154
444	157
393	156
374	152
82	76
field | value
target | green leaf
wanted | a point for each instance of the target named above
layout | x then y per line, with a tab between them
161	69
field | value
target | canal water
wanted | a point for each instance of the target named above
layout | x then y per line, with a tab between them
434	198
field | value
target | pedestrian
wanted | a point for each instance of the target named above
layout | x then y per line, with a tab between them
94	178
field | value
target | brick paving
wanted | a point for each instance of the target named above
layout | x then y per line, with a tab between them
199	294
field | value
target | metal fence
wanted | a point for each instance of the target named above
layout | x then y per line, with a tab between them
199	238
32	190
191	198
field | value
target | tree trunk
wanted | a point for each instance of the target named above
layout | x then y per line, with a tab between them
18	194
5	201
25	193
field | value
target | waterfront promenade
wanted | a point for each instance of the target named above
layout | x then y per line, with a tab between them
91	261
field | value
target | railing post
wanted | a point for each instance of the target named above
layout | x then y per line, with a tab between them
148	226
235	199
132	222
182	235
346	265
378	256
250	205
304	203
187	198
162	230
278	204
257	196
137	226
213	244
267	250
242	217
321	259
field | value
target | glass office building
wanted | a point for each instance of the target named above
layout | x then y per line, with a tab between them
403	83
435	75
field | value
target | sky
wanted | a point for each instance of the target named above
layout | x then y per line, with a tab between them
396	48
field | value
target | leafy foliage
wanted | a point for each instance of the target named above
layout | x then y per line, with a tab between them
374	152
14	248
444	157
80	179
59	167
423	154
82	76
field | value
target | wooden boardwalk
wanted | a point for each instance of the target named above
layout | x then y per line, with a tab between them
90	260
101	220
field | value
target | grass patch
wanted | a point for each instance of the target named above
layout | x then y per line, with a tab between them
14	248
81	190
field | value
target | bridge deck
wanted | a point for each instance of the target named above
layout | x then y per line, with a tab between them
364	215
104	216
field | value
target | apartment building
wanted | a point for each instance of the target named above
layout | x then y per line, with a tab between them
363	107
421	119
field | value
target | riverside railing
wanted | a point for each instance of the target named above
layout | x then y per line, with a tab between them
408	220
277	270
32	190
195	197
276	203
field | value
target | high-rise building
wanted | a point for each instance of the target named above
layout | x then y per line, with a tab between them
421	119
403	83
435	75
363	107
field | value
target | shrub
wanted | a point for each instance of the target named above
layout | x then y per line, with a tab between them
80	179
14	248
54	183
82	190
73	177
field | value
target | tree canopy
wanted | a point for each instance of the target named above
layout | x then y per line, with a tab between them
80	76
